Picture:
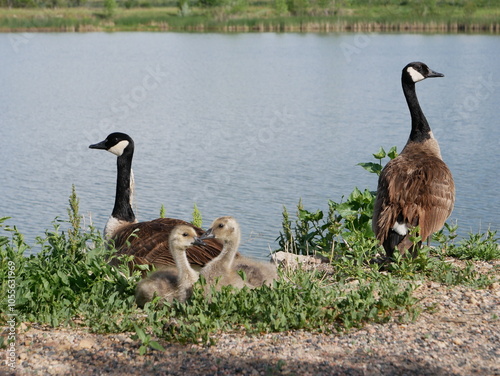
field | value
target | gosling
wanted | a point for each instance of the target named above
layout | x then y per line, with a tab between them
173	283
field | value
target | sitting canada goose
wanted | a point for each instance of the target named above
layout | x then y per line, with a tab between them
173	283
220	271
121	145
257	272
416	188
147	241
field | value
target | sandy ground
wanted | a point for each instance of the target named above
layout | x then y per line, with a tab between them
458	334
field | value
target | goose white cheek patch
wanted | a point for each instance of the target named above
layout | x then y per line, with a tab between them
415	75
119	148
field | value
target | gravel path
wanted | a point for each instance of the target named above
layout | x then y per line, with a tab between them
459	334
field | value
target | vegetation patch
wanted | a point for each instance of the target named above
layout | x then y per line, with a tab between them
70	283
251	15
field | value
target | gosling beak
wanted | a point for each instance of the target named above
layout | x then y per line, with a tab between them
100	145
434	74
207	235
198	241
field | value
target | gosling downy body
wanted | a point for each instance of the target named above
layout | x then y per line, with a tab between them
257	273
416	188
172	283
220	271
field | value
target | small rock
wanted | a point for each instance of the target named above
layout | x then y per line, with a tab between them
441	344
494	286
58	369
86	343
293	260
473	301
433	285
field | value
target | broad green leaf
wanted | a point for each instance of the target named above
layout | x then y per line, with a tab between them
140	333
374	168
381	154
393	153
63	277
155	345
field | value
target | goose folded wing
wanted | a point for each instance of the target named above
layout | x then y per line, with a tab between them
422	194
148	242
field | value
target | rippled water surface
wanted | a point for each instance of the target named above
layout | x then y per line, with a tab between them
241	124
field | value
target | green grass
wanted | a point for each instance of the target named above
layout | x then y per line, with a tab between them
69	282
262	16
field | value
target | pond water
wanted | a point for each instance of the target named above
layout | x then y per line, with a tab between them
240	124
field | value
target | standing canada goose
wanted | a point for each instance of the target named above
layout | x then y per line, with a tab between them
221	270
173	283
148	241
416	188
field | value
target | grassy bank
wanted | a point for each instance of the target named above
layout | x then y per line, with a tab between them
261	16
70	283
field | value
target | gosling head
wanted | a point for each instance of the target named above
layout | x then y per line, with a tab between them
183	237
116	143
224	229
417	71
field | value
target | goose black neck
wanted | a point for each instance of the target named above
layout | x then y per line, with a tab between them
420	129
122	209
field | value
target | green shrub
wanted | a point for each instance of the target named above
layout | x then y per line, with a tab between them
345	231
280	7
477	247
109	8
298	7
302	300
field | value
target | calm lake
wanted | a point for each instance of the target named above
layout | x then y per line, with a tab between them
240	124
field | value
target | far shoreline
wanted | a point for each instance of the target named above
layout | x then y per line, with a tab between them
253	19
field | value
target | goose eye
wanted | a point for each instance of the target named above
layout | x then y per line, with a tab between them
221	225
185	234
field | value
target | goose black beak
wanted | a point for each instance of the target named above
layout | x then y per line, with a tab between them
100	145
434	74
198	241
207	235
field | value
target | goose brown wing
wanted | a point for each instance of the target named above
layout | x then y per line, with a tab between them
384	211
437	200
419	190
148	242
